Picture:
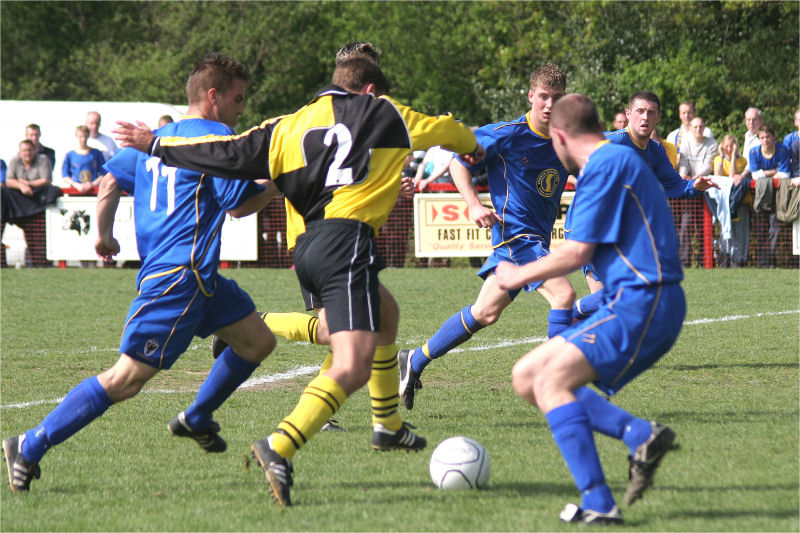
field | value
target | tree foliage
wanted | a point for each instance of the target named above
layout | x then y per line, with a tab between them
469	58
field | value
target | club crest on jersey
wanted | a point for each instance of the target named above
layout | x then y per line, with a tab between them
150	347
547	182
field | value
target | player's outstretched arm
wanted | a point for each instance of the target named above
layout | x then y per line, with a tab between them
703	183
480	214
568	257
108	196
140	136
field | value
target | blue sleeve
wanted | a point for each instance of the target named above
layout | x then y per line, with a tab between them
597	207
123	166
782	160
787	141
230	194
674	185
2	171
65	167
487	139
98	157
755	158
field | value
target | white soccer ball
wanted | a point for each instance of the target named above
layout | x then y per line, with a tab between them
460	463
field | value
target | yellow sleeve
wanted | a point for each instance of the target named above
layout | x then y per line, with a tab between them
443	130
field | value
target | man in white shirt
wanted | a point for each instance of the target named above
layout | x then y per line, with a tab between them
104	143
753	120
696	158
686	112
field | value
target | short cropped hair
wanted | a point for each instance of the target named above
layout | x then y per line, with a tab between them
647	96
358	48
576	114
687	102
357	71
33	127
83	129
28	142
767	128
549	76
214	71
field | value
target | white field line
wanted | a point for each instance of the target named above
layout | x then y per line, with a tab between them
311	369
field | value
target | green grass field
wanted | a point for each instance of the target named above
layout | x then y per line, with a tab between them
729	387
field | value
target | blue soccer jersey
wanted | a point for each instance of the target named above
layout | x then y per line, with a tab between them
656	158
179	212
526	179
792	144
617	207
82	168
780	160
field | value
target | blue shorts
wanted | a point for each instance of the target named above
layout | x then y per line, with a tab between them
519	251
170	310
629	333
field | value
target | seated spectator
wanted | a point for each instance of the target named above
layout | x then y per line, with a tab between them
82	167
434	168
27	192
163	120
620	120
753	120
767	161
733	250
697	153
33	132
104	143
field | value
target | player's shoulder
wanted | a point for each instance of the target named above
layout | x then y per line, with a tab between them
617	136
192	127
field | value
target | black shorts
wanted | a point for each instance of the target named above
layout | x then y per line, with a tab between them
337	263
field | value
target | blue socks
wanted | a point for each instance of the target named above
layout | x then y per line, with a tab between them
557	321
612	421
587	305
573	435
228	372
84	403
456	330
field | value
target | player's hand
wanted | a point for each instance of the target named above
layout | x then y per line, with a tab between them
407	187
483	216
507	276
139	136
473	157
106	249
703	183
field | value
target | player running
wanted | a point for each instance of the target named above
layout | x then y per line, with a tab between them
178	215
526	180
338	161
624	226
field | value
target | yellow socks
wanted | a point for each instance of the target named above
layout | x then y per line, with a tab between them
383	385
321	399
293	326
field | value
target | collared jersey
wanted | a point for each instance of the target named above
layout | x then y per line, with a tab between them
779	160
657	160
178	212
526	179
340	156
617	207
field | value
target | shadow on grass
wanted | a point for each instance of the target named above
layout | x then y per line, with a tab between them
726	416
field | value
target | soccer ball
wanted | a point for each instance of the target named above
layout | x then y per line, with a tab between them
460	463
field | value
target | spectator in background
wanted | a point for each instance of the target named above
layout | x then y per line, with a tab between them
686	112
753	121
163	120
729	162
767	161
792	144
696	160
33	132
434	168
27	192
81	168
2	171
104	143
620	120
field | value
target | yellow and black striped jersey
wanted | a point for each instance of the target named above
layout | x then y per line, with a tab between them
340	156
